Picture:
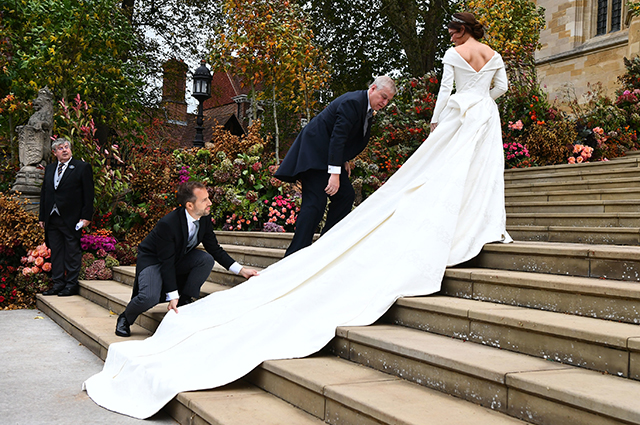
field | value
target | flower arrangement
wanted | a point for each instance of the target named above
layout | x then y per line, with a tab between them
583	154
95	242
515	154
29	279
97	266
36	261
283	210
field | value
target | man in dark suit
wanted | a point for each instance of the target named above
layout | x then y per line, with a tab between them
66	206
316	158
169	268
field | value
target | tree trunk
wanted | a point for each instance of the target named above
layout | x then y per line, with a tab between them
418	30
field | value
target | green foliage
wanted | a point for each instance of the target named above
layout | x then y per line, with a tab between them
402	126
510	25
269	44
76	124
74	46
365	39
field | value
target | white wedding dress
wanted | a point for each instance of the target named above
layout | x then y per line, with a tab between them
439	209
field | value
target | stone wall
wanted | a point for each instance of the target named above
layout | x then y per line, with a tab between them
571	54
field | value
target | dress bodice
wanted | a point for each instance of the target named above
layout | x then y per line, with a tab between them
490	81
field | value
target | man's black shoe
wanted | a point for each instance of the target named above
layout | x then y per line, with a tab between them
67	292
52	291
122	326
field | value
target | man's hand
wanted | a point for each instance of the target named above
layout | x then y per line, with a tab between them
85	223
173	305
247	273
41	224
334	185
348	167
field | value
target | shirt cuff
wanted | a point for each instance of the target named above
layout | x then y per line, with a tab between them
235	268
172	295
335	169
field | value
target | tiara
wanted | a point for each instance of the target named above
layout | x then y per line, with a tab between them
458	20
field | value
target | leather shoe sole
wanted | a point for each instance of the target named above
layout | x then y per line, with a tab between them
67	292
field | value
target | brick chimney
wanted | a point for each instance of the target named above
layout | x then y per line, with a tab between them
174	88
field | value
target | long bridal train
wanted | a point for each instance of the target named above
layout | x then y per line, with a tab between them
439	209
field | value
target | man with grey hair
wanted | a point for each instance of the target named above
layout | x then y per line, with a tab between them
66	206
319	157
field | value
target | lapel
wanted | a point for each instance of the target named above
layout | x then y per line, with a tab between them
182	218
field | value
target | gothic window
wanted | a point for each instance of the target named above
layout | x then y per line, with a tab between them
609	16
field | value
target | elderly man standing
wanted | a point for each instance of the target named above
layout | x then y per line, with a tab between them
66	206
319	157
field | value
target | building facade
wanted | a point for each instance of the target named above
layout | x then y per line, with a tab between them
585	42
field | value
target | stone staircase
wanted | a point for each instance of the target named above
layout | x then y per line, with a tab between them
597	202
530	332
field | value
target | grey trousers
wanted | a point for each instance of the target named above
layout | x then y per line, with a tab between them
196	265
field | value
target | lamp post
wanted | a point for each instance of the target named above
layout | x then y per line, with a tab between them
201	91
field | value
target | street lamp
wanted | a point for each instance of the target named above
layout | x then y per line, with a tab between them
201	91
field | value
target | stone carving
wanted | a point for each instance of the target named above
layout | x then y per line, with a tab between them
34	144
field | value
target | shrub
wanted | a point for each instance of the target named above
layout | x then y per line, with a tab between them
550	143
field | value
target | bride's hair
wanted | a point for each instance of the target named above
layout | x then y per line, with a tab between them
469	22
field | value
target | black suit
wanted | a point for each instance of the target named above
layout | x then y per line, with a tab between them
74	201
165	265
337	135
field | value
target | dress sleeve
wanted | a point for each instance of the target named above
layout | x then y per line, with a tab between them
500	83
446	86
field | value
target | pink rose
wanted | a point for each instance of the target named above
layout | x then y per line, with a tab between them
26	271
39	261
572	160
46	267
579	160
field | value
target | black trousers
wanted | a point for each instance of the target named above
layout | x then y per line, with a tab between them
314	202
66	256
196	266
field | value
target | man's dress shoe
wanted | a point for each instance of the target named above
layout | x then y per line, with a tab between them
52	291
67	292
122	326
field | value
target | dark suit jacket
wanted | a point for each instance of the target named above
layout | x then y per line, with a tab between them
166	245
333	137
74	196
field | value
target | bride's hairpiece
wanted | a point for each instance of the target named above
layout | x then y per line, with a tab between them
458	20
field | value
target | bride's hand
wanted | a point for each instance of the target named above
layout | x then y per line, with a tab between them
433	125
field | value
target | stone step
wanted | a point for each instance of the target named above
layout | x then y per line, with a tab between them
529	388
576	207
630	161
587	235
576	174
577	194
535	185
597	298
599	261
596	261
239	403
615	220
600	345
311	390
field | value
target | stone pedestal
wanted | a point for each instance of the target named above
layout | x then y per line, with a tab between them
29	180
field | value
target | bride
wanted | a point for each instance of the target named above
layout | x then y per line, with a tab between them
438	210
